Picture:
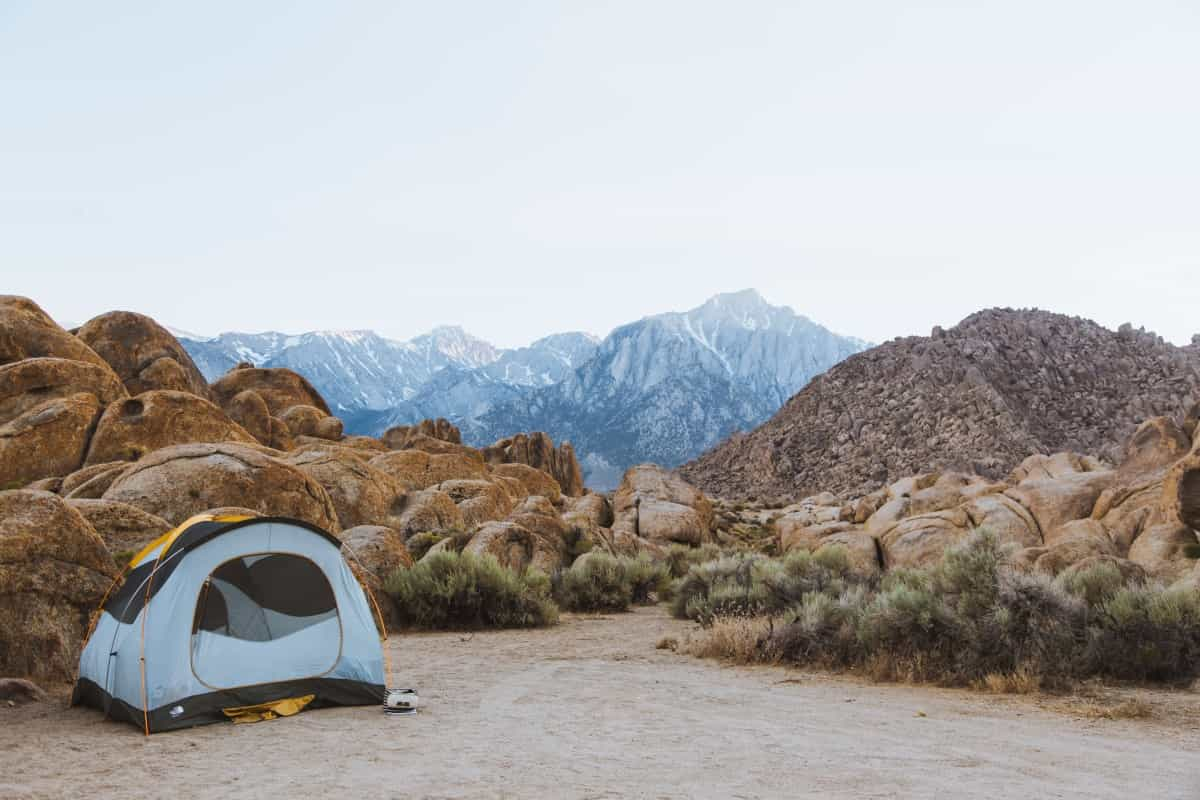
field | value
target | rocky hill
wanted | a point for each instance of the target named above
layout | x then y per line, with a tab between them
978	398
666	387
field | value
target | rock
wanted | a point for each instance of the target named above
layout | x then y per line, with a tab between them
538	451
981	397
594	507
421	470
25	385
361	494
281	437
369	445
18	691
54	570
52	485
1007	519
533	480
1160	550
1053	502
515	489
28	332
1181	491
920	540
92	481
659	505
809	537
48	440
144	354
130	428
124	528
177	482
305	420
1041	467
1074	542
374	552
249	410
515	547
428	510
402	436
861	550
279	388
479	501
1154	447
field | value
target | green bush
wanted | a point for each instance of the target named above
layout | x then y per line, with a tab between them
681	557
461	590
601	582
969	619
748	584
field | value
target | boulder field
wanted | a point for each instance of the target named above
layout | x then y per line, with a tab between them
108	438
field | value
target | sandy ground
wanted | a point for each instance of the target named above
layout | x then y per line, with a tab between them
591	709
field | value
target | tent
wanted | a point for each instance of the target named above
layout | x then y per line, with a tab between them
228	616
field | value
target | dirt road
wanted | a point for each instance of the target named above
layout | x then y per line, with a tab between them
591	709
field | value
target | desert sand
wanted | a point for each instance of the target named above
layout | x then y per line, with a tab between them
590	709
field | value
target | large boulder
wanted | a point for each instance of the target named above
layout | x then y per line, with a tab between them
538	516
479	501
515	547
656	504
1162	550
279	388
861	549
533	480
91	482
920	540
48	440
130	428
54	571
1181	491
248	409
125	529
593	507
1156	444
424	511
420	470
402	437
537	450
176	482
1070	544
25	385
1055	501
26	331
810	537
1041	467
143	353
1005	518
304	420
361	494
374	552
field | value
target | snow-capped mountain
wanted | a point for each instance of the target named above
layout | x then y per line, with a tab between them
372	381
668	387
662	389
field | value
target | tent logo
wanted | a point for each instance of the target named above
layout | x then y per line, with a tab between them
176	711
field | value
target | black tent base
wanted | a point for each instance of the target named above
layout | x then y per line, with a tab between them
203	709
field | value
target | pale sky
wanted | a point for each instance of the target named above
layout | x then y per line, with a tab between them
524	168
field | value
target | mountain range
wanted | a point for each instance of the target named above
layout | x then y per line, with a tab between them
662	389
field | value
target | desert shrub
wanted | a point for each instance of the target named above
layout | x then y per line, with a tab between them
747	584
967	620
680	557
602	582
1147	633
461	590
1093	585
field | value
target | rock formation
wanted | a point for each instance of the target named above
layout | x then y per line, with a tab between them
537	450
145	355
977	398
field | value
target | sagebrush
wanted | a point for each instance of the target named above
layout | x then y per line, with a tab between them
462	590
602	582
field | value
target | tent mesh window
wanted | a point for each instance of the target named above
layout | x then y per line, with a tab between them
263	618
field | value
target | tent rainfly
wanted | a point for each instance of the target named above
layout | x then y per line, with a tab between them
232	617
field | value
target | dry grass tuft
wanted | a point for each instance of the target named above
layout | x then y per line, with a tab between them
1024	680
741	640
1126	709
667	643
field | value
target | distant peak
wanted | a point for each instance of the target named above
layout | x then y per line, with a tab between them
746	298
